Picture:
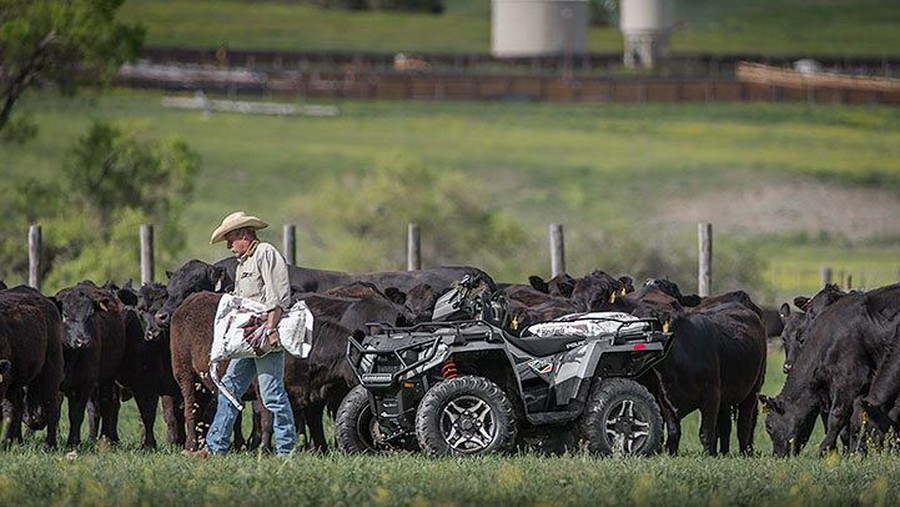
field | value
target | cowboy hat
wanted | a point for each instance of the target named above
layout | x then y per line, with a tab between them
234	221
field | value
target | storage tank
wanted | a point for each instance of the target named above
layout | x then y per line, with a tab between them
521	28
646	26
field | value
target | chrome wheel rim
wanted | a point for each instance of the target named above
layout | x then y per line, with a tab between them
627	427
468	424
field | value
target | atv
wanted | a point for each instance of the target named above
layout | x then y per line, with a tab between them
464	384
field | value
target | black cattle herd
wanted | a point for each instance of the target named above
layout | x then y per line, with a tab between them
98	346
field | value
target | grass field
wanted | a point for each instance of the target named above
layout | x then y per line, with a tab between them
127	476
794	27
655	170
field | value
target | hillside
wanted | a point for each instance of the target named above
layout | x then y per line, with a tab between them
773	27
800	186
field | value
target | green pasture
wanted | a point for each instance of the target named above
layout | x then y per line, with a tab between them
773	27
600	169
108	475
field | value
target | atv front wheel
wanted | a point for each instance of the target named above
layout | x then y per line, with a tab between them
467	416
621	417
355	426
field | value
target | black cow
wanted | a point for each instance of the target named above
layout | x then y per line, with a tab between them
716	364
795	326
844	345
31	362
151	298
94	339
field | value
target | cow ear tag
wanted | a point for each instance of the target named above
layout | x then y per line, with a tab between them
515	323
612	297
623	291
665	326
103	306
1	378
766	409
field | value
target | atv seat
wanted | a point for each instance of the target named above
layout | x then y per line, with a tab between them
543	347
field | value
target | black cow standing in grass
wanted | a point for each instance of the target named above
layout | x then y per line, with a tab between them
31	362
716	364
94	338
796	325
844	345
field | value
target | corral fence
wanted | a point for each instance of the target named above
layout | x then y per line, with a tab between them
413	249
676	64
783	281
393	85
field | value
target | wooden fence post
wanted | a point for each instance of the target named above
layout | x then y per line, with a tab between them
704	273
413	248
147	275
557	251
34	256
826	276
290	244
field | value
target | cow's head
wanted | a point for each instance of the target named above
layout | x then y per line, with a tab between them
193	276
792	335
150	300
788	425
797	324
671	288
420	301
78	307
597	291
558	286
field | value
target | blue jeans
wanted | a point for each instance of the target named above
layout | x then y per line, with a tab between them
269	369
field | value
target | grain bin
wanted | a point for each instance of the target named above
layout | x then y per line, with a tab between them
646	26
524	28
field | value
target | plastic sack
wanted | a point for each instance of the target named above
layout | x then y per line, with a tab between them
239	321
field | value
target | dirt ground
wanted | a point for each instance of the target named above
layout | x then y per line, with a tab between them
855	213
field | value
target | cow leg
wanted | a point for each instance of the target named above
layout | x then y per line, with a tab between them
173	413
313	414
709	416
239	442
77	403
50	405
15	405
723	430
838	418
93	416
747	415
109	411
147	401
263	420
190	410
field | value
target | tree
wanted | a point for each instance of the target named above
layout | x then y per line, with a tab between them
113	181
60	42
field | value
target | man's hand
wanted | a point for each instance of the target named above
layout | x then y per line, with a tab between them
273	338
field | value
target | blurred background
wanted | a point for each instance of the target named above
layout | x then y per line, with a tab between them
482	121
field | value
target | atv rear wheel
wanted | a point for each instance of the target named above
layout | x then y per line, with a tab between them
355	425
622	417
465	416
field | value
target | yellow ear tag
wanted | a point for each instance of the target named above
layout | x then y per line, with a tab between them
765	408
103	306
665	327
515	323
623	291
1	378
612	297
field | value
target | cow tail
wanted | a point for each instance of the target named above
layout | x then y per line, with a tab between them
214	375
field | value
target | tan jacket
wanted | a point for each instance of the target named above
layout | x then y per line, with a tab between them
262	276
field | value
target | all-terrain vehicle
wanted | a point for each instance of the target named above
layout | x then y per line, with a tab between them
464	385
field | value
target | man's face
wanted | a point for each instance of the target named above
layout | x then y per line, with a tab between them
238	242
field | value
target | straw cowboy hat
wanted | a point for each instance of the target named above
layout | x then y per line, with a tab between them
234	221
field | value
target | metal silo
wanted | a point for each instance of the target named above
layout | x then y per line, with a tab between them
646	26
538	27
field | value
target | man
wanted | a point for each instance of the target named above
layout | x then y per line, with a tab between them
261	276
